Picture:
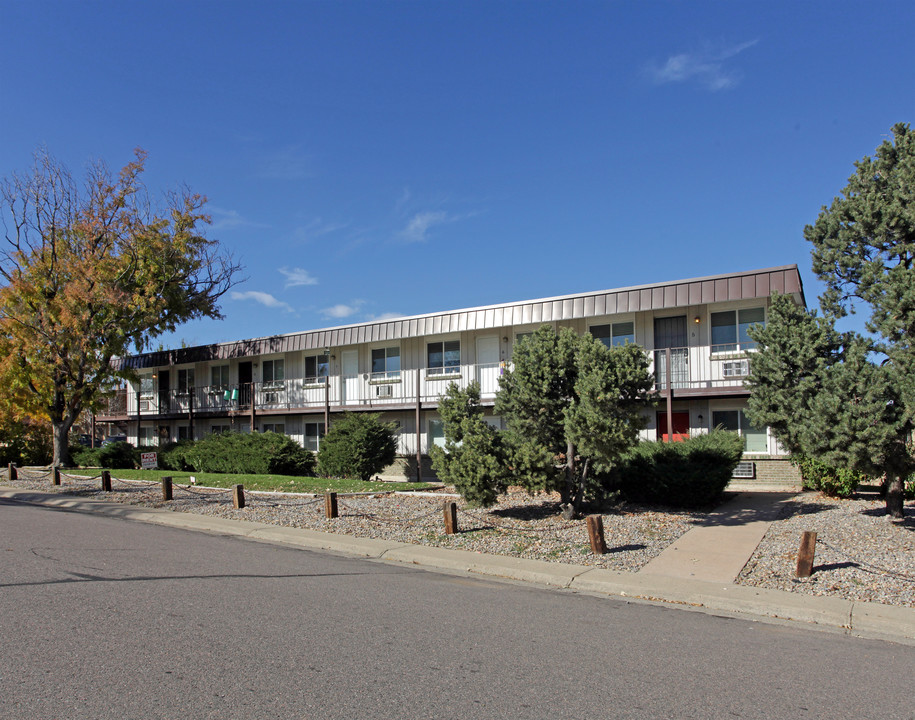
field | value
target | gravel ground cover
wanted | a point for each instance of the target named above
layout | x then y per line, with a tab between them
861	555
520	525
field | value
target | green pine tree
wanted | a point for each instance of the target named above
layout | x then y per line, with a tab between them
474	457
572	408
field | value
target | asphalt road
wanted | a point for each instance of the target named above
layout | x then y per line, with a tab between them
107	618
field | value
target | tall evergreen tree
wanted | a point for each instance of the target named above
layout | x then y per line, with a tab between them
824	397
474	457
847	399
572	408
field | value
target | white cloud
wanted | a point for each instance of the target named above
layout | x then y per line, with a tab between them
342	311
384	316
704	67
297	277
223	219
418	227
261	297
315	229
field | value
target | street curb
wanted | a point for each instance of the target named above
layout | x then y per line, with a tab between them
859	619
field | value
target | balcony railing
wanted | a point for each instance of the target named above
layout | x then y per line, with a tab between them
693	368
697	368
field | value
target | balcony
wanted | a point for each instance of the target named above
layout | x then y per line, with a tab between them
701	370
693	371
364	391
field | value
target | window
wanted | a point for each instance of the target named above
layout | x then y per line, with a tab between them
185	381
184	432
754	439
274	372
146	386
436	433
444	357
729	329
274	427
219	429
386	363
219	377
315	367
149	437
313	434
618	333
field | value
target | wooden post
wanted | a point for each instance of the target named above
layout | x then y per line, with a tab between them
330	505
419	407
253	428
106	481
190	414
670	398
55	475
451	523
327	398
238	497
805	554
166	488
13	475
596	534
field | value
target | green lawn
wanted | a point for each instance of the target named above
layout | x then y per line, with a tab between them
281	483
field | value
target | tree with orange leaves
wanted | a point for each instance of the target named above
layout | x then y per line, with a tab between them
92	273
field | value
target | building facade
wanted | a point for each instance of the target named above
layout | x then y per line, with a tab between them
694	331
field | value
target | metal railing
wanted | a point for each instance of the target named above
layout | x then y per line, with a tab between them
694	368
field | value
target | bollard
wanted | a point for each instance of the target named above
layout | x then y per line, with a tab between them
14	475
55	475
166	488
238	497
596	534
106	481
330	505
451	523
805	554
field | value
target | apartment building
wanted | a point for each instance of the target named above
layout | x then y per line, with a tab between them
694	331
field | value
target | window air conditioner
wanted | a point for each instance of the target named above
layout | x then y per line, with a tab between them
736	368
384	391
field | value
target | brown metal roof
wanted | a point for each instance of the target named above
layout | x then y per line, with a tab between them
717	288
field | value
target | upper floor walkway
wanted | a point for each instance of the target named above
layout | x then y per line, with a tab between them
693	371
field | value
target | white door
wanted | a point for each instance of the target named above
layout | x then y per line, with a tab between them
350	372
488	364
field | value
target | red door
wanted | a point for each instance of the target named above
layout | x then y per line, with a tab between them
680	423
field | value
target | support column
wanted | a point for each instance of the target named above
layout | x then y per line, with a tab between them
251	385
327	399
419	405
190	414
670	398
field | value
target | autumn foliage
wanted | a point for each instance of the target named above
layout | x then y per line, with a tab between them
92	273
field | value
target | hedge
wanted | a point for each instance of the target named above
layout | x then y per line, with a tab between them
691	473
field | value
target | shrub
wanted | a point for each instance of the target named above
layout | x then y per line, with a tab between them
835	482
25	441
357	446
173	456
114	455
474	455
691	473
245	454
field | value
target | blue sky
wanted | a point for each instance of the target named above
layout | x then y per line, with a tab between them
372	159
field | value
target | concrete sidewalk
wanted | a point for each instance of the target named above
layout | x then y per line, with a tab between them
690	577
717	550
